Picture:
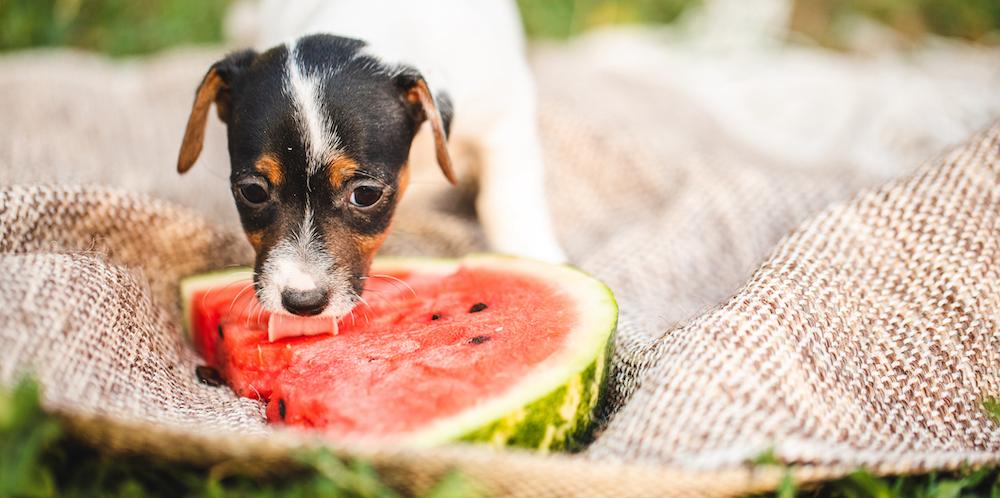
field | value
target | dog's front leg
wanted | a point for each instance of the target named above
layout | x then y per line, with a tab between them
512	204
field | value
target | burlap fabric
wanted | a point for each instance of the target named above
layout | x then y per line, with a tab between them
866	336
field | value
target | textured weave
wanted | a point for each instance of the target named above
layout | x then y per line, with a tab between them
868	336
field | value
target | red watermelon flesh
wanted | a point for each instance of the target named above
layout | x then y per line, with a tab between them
422	347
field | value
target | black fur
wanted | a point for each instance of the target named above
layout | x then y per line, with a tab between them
364	102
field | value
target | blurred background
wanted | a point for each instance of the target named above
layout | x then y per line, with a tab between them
129	27
874	87
867	87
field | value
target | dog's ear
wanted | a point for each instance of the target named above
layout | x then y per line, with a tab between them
214	88
436	109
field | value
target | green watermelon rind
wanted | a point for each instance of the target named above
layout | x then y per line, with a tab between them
550	408
560	421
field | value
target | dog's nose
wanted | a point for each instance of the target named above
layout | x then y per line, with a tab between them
305	302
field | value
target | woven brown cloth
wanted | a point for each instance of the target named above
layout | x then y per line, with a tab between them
866	336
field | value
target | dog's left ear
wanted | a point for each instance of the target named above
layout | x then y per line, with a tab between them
214	88
438	110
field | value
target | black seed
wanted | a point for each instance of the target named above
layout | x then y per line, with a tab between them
476	308
435	316
208	376
479	339
281	409
221	335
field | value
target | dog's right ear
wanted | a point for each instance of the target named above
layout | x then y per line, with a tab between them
437	110
214	87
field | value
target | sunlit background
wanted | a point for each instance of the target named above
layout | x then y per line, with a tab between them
131	27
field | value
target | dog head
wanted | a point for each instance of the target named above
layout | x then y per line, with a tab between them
319	134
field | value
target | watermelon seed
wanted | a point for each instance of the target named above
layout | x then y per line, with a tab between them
435	316
479	339
221	335
476	308
208	376
281	409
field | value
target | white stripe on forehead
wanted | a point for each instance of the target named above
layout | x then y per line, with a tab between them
320	139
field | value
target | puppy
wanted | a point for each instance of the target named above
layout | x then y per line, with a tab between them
321	128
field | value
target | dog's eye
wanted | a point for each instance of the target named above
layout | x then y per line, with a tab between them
365	196
254	192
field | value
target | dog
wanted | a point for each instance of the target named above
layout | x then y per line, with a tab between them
325	128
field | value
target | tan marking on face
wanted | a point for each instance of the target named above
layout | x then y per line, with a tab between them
413	95
269	166
357	251
340	170
256	238
368	244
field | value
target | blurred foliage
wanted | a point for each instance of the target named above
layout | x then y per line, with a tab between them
38	459
982	483
565	18
129	27
991	405
116	27
825	20
968	483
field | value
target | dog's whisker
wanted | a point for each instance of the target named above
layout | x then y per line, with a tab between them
221	175
249	309
377	295
394	279
260	312
205	295
363	301
237	297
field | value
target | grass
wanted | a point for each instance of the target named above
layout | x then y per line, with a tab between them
979	483
38	459
983	483
992	407
562	19
115	27
828	21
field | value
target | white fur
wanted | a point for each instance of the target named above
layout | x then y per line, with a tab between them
321	145
473	49
292	275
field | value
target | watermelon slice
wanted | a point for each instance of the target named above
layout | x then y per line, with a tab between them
486	348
